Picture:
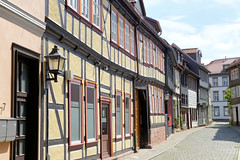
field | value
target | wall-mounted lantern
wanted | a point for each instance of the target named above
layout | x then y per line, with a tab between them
55	63
167	97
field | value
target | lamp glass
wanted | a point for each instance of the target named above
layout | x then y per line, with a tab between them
53	63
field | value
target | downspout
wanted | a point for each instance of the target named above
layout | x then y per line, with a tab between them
134	86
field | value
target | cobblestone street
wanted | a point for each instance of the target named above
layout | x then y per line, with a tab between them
219	141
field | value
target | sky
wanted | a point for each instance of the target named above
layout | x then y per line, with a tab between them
213	26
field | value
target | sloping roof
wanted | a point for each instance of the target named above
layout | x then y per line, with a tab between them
216	66
233	64
190	50
155	24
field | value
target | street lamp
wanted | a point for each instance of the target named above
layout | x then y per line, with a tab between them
166	97
55	63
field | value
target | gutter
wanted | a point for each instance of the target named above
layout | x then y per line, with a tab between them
134	86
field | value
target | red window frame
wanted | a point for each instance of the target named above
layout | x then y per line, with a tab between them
117	44
91	143
155	101
129	37
115	11
130	115
150	99
75	145
117	92
78	14
132	52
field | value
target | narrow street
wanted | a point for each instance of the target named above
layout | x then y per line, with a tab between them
218	141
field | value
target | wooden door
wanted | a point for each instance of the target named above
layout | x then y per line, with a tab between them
105	131
137	120
169	111
25	107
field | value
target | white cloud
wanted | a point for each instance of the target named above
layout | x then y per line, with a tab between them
215	41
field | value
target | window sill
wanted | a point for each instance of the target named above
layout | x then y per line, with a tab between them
122	50
118	139
90	144
128	137
75	146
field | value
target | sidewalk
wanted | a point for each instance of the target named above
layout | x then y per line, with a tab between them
174	139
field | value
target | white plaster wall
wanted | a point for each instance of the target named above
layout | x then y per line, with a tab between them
192	99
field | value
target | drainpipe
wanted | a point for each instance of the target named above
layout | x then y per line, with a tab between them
134	86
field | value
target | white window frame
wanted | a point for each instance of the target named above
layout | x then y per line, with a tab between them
151	52
121	31
132	42
129	118
114	25
127	37
85	8
97	7
120	118
94	117
73	4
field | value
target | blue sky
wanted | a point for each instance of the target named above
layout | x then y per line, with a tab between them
213	26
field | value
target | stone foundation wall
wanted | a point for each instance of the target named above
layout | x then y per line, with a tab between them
158	135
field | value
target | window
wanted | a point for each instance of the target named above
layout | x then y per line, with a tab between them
150	99
162	97
89	11
215	82
193	114
234	74
183	99
121	32
159	102
238	91
127	37
233	92
225	81
155	101
73	4
215	96
96	12
224	99
145	50
127	115
186	100
226	111
75	112
132	43
118	114
85	8
151	53
91	110
216	111
114	26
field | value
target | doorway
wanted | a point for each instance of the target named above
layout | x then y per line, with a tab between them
25	104
142	119
237	115
106	129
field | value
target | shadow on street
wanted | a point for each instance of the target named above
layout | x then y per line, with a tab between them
225	132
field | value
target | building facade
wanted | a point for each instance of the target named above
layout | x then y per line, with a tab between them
219	81
116	92
234	85
202	86
22	25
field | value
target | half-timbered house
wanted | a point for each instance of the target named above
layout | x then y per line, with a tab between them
110	98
